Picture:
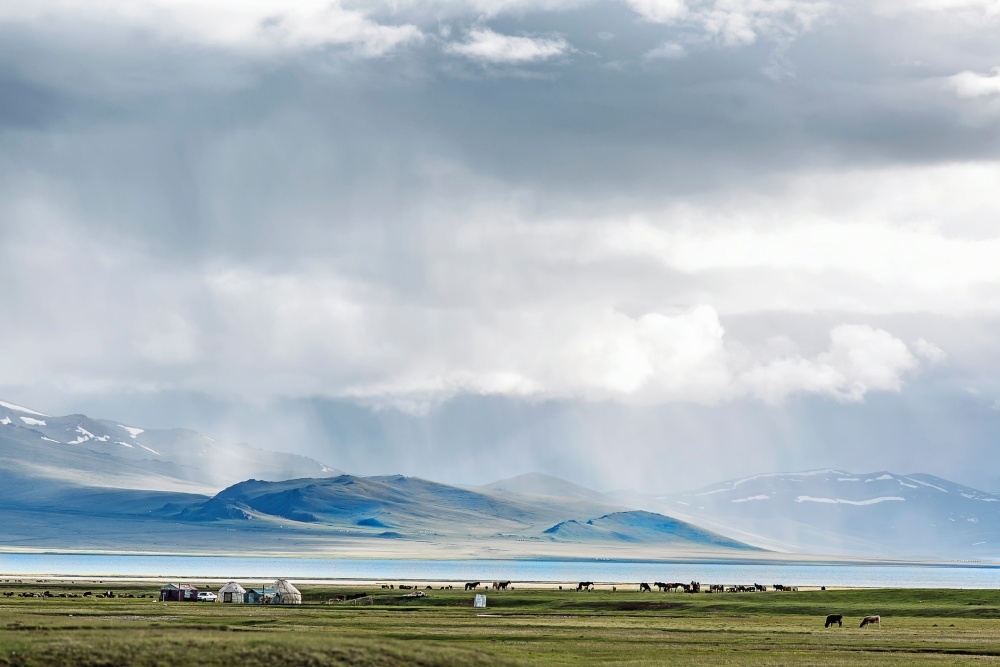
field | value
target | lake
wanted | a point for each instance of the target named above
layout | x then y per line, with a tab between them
307	569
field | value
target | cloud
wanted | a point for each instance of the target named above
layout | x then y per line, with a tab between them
234	24
860	359
736	22
929	351
485	45
971	84
963	8
667	51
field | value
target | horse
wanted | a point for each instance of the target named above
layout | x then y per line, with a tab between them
472	585
662	586
870	620
835	618
644	588
502	585
585	585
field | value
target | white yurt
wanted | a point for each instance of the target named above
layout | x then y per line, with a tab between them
287	594
232	592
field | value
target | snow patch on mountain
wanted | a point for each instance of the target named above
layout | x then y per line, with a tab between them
882	478
84	436
33	422
133	431
744	500
18	408
5	421
928	485
808	473
842	501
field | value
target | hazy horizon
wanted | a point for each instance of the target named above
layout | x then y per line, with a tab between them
646	244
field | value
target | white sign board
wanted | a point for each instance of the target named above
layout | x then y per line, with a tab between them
480	601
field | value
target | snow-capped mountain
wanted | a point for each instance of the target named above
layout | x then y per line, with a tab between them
81	451
839	512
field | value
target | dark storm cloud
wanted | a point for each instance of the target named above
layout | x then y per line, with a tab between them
583	208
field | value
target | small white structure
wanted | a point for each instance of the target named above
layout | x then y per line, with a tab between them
286	593
232	592
480	601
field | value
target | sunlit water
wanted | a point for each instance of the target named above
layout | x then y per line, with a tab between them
305	569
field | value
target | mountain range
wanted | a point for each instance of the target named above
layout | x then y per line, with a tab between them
880	514
72	482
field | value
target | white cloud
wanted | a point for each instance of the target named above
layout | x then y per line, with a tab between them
736	22
961	8
667	51
239	24
486	45
929	351
860	359
971	84
659	11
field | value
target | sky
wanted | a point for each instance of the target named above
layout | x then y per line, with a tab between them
645	244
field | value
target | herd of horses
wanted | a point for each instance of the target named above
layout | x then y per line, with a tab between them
695	587
663	587
497	585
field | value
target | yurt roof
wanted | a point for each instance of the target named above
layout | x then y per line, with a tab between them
232	587
282	586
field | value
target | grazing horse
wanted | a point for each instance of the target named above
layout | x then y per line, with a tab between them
644	588
472	585
835	618
662	586
871	620
585	585
500	585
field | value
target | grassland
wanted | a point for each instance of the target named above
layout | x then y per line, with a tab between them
529	627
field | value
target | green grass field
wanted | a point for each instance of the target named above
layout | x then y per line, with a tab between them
531	627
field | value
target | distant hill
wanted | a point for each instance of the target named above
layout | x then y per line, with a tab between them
640	526
536	483
417	507
81	451
838	512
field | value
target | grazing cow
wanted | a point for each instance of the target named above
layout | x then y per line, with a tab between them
834	618
871	620
644	588
585	586
472	585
